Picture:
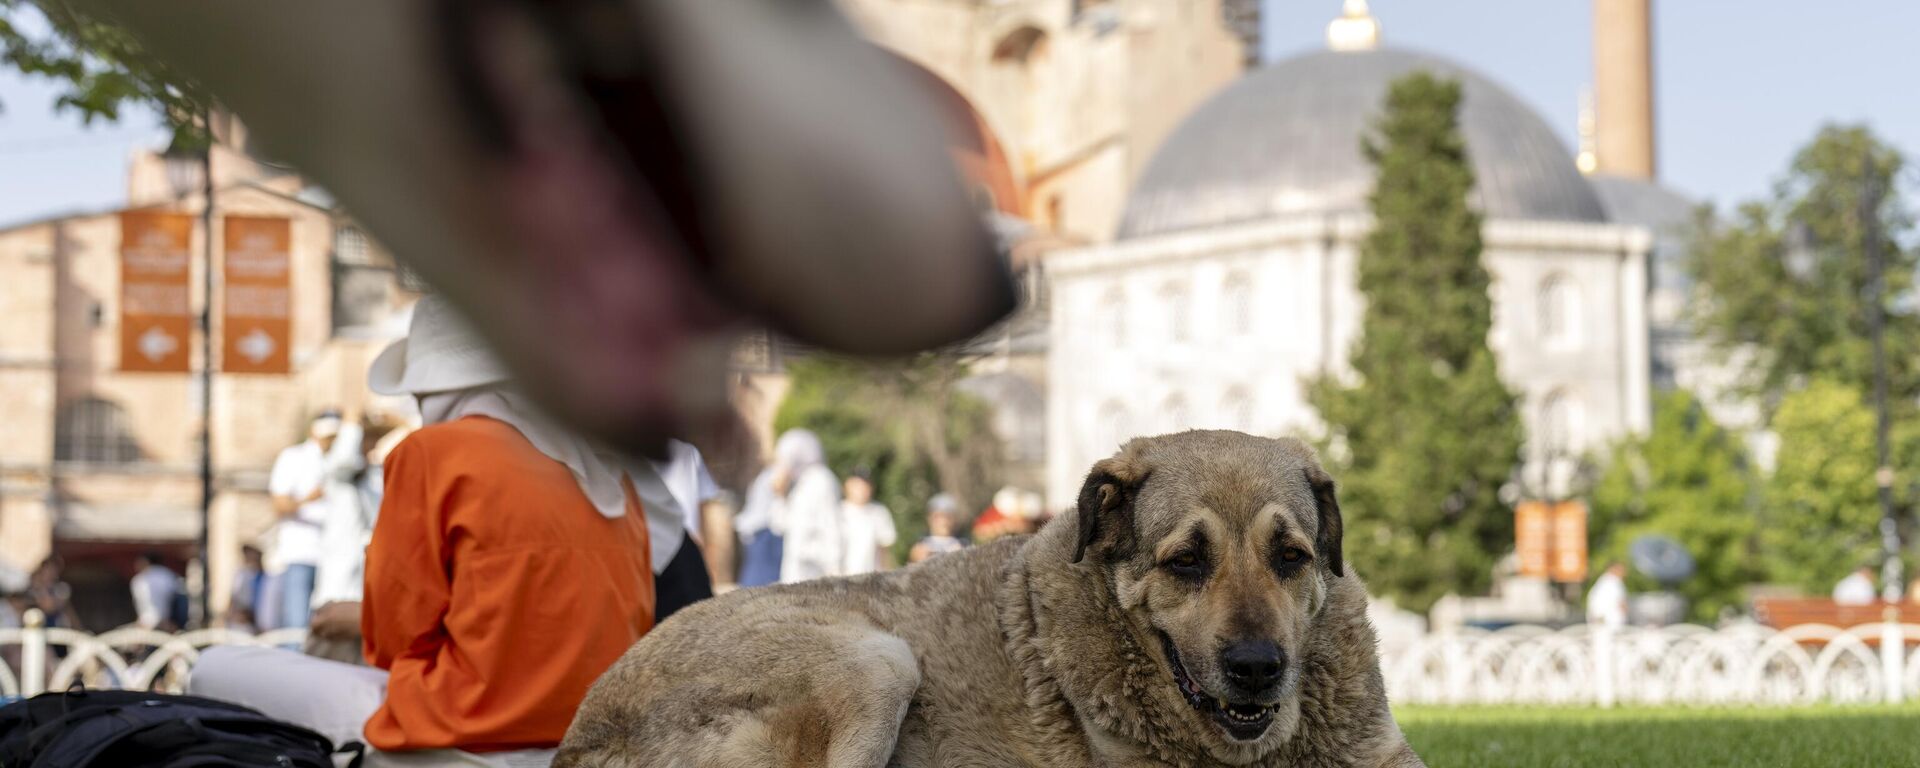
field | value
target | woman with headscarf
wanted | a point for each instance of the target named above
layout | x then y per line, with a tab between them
806	509
509	566
791	519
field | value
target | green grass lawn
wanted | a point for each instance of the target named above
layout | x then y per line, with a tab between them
1545	737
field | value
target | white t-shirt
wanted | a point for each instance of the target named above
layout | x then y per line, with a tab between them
686	477
808	522
867	527
297	472
1855	589
1607	602
153	591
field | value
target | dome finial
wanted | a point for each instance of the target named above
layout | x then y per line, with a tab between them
1588	160
1355	30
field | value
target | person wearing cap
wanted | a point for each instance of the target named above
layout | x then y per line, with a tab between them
942	513
307	481
510	565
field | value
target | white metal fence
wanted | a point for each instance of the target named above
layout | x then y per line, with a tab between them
42	658
1683	664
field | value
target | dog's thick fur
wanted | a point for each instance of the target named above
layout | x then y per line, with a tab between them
1041	651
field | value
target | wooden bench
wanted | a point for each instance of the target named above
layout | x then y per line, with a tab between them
1783	612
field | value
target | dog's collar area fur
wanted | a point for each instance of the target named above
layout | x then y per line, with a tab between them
1242	722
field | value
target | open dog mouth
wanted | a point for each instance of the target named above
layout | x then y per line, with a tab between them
1243	722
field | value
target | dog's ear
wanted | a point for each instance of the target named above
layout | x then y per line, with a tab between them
1327	544
1107	497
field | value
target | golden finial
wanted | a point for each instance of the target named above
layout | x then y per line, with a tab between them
1355	30
1587	160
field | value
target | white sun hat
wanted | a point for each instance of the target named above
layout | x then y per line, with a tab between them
440	354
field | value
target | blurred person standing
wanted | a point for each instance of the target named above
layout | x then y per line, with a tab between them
1002	518
509	567
249	590
866	525
155	587
805	509
762	549
47	589
942	513
304	477
1607	601
680	575
348	523
1856	588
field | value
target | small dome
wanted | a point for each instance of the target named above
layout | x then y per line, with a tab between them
1286	140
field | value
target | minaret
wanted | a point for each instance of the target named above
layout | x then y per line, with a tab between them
1623	88
1355	30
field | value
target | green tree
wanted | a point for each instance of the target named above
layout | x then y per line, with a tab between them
1787	278
1426	434
1823	511
1687	479
101	70
905	422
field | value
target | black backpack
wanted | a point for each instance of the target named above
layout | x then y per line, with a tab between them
139	729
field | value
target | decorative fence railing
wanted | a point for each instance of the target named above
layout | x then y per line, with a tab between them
1684	664
1670	665
53	658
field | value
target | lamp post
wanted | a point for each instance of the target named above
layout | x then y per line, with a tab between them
1870	195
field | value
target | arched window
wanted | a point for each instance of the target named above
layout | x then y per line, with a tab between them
1110	315
1236	300
1112	430
1179	311
1236	410
1174	416
96	431
1559	305
1021	46
1559	425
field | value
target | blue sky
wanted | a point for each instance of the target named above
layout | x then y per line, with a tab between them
1740	84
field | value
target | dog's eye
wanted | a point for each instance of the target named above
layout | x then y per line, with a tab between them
1185	564
1293	555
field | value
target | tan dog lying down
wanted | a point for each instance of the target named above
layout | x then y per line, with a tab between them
1193	610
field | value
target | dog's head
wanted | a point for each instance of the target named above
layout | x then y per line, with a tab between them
1221	548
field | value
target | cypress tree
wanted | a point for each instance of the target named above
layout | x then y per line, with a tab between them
1424	433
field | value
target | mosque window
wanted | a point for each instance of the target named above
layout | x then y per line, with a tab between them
1021	46
1559	425
1111	315
1173	414
1236	409
1179	311
95	430
1113	429
1559	304
1237	303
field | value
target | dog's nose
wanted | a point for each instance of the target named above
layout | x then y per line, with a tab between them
1253	666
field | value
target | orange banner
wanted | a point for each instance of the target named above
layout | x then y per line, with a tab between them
256	304
1569	541
156	307
1533	537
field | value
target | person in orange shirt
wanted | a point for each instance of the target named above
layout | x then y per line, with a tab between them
508	569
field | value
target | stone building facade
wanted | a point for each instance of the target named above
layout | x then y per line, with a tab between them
100	463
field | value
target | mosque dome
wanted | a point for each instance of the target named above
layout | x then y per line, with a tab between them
1285	140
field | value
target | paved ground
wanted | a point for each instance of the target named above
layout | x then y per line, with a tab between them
1542	737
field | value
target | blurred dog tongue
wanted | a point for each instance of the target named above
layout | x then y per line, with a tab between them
614	189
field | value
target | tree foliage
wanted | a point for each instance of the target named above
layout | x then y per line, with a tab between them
1788	278
906	422
1426	435
1823	510
1687	479
100	69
